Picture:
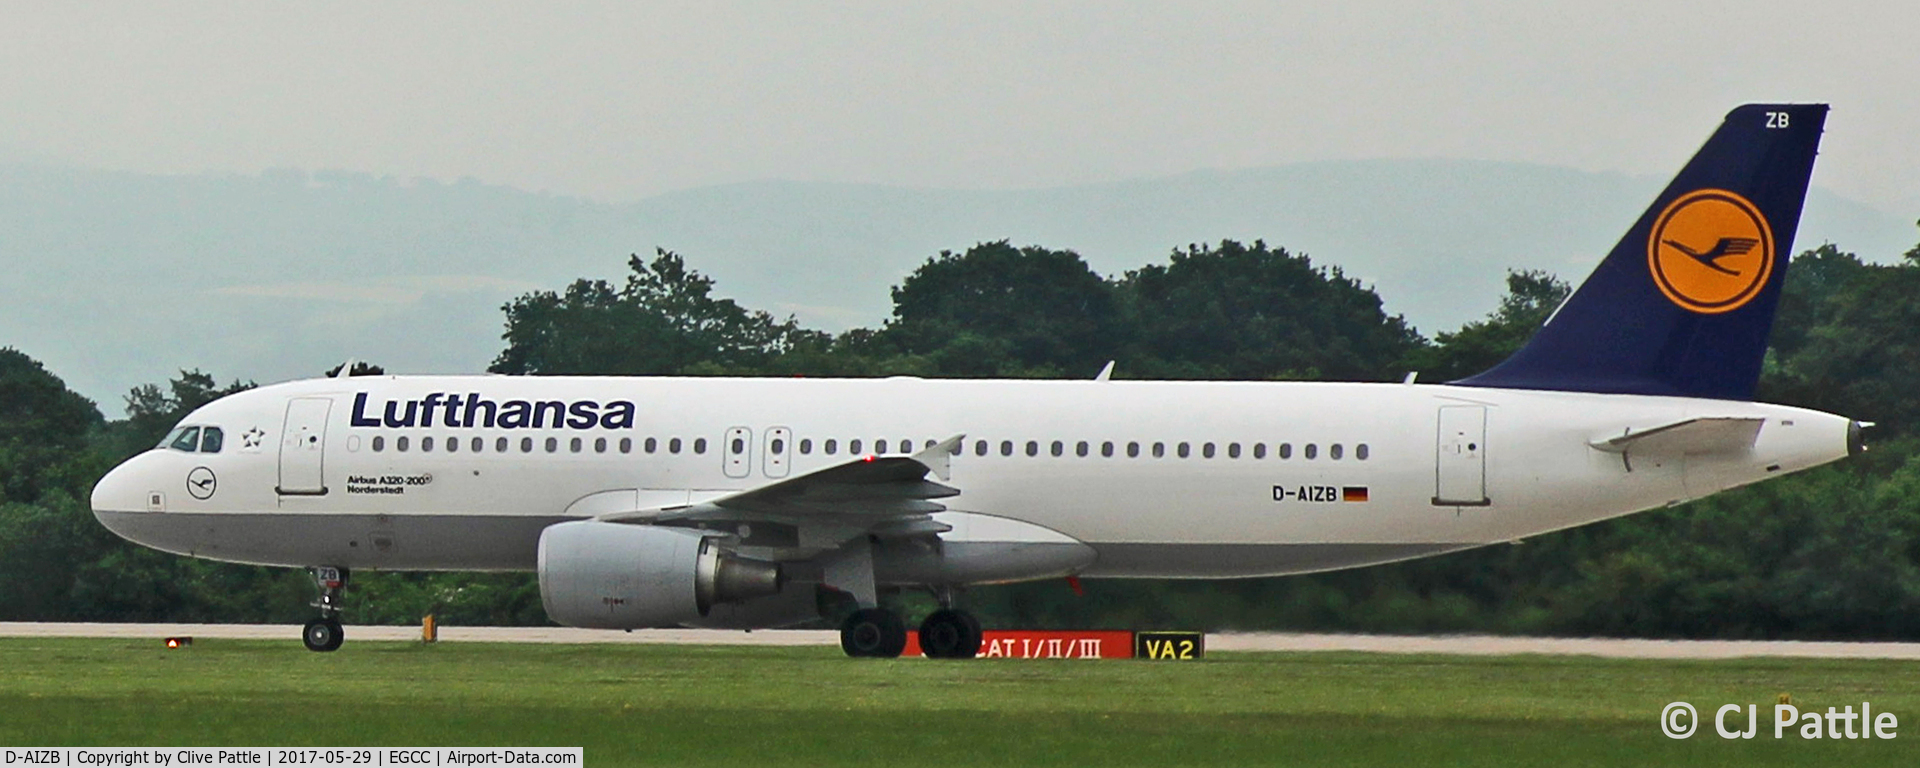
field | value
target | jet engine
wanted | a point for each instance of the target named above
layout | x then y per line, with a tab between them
618	576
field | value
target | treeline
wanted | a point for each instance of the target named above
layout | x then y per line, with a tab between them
1834	552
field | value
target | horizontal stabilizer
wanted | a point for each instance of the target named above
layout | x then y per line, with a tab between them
1711	434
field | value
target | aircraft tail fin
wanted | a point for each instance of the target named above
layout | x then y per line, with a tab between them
1684	303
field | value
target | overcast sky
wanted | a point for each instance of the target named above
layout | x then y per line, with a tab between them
618	101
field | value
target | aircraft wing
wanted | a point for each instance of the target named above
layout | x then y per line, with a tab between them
885	495
1709	434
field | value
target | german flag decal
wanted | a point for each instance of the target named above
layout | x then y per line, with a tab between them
1353	493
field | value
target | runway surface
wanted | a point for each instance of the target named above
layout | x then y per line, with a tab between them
1472	645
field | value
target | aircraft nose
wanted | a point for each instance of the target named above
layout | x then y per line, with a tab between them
124	490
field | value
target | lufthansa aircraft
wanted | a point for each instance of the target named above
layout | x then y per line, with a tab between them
728	502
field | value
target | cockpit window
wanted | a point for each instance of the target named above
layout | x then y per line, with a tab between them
210	440
188	439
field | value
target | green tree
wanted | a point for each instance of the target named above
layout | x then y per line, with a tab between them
1532	296
663	321
1253	313
997	310
1860	356
44	427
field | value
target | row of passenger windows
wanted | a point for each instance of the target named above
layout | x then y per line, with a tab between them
855	447
526	444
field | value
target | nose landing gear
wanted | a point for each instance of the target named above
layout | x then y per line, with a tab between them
324	633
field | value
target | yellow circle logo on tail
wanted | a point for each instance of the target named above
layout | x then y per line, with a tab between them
1711	251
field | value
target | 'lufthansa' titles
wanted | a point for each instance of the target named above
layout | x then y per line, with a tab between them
472	410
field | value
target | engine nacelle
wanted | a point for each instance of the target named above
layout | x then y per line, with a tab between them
618	576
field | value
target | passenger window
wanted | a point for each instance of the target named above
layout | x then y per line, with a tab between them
1310	451
574	445
1106	449
1184	450
500	445
453	445
1133	450
779	446
400	443
739	446
379	443
553	445
426	445
806	446
832	446
880	446
1080	448
673	445
1033	448
626	445
1285	451
526	445
979	447
188	441
211	439
1233	450
700	445
1159	450
478	445
1360	452
1058	448
652	445
1006	447
1334	451
599	445
1206	451
853	446
1259	450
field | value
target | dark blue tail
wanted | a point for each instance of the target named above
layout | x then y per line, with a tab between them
1683	305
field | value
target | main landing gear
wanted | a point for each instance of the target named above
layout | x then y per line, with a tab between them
879	633
874	631
324	633
950	634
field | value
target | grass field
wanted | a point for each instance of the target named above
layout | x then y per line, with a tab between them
688	705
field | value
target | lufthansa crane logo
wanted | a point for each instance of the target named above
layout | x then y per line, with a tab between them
1711	251
201	483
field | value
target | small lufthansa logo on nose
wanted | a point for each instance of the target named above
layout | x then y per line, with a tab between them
1711	251
201	483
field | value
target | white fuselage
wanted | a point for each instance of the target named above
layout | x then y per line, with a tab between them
1178	479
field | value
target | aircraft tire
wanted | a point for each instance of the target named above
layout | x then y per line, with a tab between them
950	634
322	635
873	633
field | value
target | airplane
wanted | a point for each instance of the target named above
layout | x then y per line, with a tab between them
762	502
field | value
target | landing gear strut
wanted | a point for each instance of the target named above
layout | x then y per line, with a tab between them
324	633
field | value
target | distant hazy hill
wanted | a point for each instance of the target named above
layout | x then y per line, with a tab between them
115	279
